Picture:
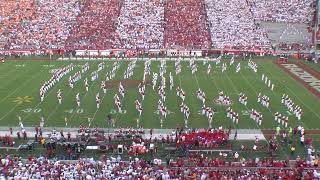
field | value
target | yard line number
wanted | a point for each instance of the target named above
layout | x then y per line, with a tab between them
71	111
32	110
113	111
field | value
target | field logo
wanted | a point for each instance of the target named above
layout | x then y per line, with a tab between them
26	99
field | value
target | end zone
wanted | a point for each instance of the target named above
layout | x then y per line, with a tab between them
310	79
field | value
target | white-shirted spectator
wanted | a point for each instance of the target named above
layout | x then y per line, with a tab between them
141	24
232	25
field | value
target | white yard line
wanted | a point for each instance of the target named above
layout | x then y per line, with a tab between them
251	87
57	106
54	87
50	128
20	87
12	109
297	96
9	112
116	118
40	102
95	113
126	59
210	76
283	151
181	88
236	90
104	95
294	95
85	95
8	74
248	82
195	75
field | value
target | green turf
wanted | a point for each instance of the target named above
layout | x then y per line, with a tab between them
23	78
315	66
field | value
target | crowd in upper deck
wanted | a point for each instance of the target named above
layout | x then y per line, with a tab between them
143	24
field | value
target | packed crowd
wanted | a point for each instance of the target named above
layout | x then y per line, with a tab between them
140	25
96	25
293	11
135	168
229	165
232	24
186	25
196	160
131	24
49	27
203	137
11	15
6	10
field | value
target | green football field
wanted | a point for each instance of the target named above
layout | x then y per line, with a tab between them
21	80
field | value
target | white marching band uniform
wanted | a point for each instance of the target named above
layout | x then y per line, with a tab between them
59	74
78	99
232	115
181	93
154	80
201	96
138	107
253	65
295	109
104	87
243	99
162	109
59	96
86	84
209	113
117	102
256	116
171	81
98	100
209	69
264	100
281	119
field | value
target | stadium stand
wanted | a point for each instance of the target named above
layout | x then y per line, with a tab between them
106	24
186	25
232	25
12	15
140	25
151	24
293	14
48	27
294	11
96	25
135	168
193	166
